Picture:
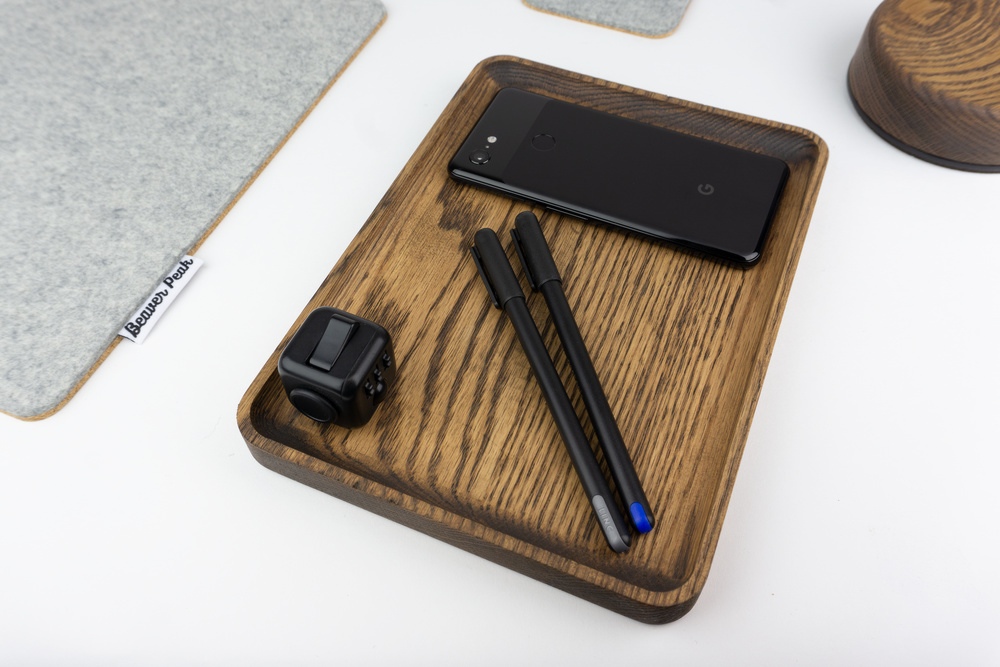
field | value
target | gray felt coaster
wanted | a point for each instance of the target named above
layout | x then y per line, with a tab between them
126	129
649	18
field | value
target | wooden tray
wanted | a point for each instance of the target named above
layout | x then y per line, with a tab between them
464	448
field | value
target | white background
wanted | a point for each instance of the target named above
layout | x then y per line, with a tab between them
863	528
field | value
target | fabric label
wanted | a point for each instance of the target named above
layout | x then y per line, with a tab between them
142	321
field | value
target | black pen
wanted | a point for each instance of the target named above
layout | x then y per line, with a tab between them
505	292
540	268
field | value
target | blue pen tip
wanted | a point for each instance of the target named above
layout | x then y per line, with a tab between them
639	518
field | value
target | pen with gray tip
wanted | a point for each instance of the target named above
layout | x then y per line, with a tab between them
506	294
540	268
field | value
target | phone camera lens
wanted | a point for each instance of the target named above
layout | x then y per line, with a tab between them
479	156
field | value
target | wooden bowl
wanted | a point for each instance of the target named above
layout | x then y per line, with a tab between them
926	78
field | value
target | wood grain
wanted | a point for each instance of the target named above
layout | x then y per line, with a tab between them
464	448
926	76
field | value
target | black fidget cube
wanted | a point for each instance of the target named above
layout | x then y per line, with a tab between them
338	367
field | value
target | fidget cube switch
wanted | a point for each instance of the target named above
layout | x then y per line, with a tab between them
337	367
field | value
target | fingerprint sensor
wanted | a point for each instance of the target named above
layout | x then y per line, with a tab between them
543	142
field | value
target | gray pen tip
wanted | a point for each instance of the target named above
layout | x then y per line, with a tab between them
617	541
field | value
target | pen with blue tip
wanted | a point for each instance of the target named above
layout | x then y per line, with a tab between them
540	268
506	294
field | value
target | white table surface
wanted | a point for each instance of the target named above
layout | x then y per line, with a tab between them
136	529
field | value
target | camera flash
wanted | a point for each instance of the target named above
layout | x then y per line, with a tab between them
491	139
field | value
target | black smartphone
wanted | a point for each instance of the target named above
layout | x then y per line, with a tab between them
670	186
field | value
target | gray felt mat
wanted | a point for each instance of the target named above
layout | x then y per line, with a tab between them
649	18
126	129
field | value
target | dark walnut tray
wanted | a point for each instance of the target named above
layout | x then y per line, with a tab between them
464	448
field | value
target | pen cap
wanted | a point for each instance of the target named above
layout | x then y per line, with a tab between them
533	250
495	268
